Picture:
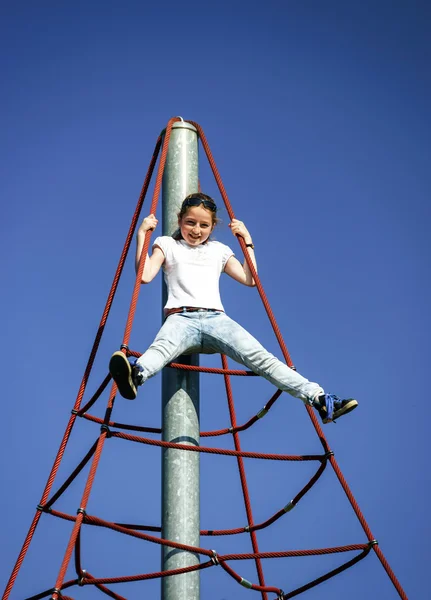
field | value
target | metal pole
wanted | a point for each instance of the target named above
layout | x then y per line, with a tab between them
180	397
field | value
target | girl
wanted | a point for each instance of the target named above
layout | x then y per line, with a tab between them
195	320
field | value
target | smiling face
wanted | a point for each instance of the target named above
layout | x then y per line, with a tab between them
196	225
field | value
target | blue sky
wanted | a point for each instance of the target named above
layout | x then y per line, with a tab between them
318	118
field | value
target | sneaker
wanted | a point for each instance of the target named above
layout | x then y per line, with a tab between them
126	376
330	407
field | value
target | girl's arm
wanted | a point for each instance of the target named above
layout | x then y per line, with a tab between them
233	267
153	262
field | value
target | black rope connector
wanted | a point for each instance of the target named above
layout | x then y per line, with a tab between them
214	558
105	427
329	454
40	507
373	543
74	411
247	528
293	368
56	591
280	595
230	429
124	347
82	511
82	577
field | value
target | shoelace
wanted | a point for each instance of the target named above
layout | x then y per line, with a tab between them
330	400
136	375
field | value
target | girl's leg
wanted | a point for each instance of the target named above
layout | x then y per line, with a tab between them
222	334
178	334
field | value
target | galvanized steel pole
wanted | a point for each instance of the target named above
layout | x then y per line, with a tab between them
180	397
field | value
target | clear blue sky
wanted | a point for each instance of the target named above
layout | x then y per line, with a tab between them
318	117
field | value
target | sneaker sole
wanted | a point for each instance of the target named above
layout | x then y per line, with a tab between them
345	409
121	372
342	411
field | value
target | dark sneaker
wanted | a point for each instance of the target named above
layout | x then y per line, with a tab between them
125	375
330	407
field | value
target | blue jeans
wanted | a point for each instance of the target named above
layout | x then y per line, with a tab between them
209	332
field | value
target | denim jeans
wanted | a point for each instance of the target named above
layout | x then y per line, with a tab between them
209	332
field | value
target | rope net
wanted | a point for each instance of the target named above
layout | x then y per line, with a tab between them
113	431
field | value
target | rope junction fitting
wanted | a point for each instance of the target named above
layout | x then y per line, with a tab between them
138	530
105	429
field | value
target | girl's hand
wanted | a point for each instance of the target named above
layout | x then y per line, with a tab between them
149	223
238	228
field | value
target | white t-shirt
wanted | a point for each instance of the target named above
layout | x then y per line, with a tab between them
192	273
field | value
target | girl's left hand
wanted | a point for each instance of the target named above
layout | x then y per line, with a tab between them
238	228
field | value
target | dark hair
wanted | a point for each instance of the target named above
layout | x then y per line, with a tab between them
208	204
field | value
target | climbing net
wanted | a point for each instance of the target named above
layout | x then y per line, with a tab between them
112	430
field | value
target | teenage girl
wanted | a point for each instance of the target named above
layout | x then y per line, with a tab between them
195	320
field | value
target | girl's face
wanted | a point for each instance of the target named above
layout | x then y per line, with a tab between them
196	225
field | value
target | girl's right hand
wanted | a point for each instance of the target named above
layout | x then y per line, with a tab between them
149	223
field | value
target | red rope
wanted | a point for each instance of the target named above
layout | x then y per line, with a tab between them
212	532
86	375
201	369
88	577
243	247
156	575
144	253
223	451
219	432
127	332
243	480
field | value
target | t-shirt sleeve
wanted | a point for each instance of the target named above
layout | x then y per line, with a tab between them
162	242
226	254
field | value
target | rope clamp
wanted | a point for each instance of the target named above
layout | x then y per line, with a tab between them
82	577
214	558
105	427
56	591
373	543
247	528
124	347
81	511
245	583
262	412
280	595
289	507
293	368
329	454
230	429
